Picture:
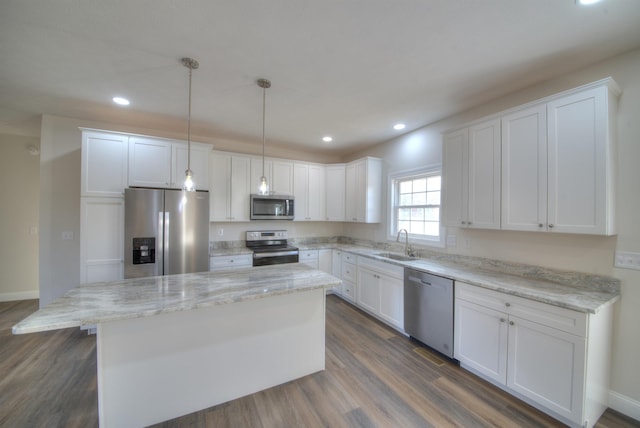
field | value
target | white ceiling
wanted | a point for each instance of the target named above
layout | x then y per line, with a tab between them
346	68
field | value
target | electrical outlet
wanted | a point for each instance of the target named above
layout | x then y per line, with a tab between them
452	241
67	236
220	232
627	260
467	242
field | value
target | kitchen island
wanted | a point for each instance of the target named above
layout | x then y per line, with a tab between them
171	345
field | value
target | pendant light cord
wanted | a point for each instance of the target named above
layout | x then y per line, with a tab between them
264	109
189	123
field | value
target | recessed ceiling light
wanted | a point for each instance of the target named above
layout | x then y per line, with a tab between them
587	2
399	126
121	101
327	139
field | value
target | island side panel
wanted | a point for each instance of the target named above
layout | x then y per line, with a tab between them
156	368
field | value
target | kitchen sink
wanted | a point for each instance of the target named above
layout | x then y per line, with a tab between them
394	256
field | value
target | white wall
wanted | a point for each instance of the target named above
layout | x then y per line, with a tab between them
19	188
591	254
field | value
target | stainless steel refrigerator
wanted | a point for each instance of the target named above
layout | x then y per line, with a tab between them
166	232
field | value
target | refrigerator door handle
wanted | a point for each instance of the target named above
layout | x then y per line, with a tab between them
161	241
165	239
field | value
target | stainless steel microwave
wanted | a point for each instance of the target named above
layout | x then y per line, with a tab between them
271	207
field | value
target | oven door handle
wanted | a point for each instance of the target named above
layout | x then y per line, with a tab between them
275	254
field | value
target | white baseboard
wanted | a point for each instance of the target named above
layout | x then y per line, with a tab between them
23	295
625	405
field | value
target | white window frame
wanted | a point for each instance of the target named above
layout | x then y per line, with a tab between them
392	228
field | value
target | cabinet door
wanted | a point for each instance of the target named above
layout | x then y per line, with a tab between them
240	188
104	164
300	191
282	177
392	300
336	269
455	177
199	165
257	172
325	261
481	339
101	239
577	156
149	162
368	290
335	192
316	193
220	178
351	191
524	170
548	366
484	175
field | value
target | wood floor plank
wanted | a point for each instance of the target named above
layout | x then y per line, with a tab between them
374	377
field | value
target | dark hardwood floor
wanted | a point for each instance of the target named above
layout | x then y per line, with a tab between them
374	377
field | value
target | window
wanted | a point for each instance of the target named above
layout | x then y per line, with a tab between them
415	205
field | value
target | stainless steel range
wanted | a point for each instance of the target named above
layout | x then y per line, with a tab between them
270	247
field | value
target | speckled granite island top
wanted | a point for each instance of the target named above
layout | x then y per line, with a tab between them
96	303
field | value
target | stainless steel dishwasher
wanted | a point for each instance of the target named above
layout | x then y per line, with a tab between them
428	310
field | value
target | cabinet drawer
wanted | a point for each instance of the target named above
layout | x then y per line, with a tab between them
222	262
349	258
308	255
381	267
349	290
563	319
349	272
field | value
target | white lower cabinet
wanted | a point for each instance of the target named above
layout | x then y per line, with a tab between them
554	358
230	262
309	257
381	290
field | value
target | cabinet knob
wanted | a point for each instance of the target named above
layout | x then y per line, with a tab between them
463	222
502	320
550	226
469	223
507	304
511	323
540	225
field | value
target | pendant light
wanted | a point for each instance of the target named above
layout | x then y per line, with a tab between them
263	188
189	186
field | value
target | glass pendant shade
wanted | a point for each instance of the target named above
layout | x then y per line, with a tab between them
263	188
189	185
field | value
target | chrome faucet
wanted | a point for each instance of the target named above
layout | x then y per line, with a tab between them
406	240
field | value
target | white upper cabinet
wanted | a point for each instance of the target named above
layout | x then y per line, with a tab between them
471	176
558	165
524	169
199	164
279	173
104	163
335	192
150	162
363	190
309	192
155	162
230	187
581	175
547	166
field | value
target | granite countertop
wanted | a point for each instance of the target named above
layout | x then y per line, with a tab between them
91	304
572	290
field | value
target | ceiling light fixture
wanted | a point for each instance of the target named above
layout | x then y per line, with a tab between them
120	101
263	188
327	139
399	126
189	186
587	2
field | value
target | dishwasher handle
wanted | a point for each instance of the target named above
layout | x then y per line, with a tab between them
419	280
